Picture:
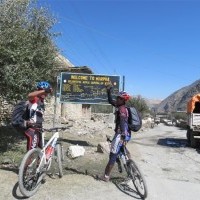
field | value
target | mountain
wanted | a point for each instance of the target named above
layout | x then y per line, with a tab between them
152	103
178	100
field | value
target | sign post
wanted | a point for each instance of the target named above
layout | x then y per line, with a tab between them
55	103
86	88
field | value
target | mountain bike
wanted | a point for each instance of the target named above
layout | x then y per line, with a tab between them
133	173
37	162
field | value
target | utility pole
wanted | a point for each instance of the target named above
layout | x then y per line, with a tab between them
123	83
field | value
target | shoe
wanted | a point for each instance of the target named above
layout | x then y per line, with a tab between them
105	178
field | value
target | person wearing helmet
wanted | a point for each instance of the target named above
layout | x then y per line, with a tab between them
36	110
122	131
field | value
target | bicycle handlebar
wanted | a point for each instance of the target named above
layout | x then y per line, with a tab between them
57	128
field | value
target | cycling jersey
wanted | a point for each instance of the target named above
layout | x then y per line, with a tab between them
36	110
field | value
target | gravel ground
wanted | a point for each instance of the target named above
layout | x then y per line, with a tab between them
171	169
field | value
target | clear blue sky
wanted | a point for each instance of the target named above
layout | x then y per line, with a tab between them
155	44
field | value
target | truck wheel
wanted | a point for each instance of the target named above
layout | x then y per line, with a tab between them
193	141
188	137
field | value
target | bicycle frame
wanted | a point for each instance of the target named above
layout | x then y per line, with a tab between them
124	157
52	142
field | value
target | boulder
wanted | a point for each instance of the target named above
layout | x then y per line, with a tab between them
103	147
75	151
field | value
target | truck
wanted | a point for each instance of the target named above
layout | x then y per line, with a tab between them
193	121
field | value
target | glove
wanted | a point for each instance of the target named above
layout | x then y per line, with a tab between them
48	90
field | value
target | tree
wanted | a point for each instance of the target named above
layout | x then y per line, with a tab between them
140	104
27	50
179	116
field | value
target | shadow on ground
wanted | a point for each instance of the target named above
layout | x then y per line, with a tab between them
15	192
119	182
173	142
8	137
198	150
122	185
10	168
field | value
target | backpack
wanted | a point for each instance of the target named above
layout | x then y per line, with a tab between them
20	115
134	119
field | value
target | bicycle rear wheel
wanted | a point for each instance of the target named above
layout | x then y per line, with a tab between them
59	160
137	179
29	179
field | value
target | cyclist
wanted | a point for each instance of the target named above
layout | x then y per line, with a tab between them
122	131
36	110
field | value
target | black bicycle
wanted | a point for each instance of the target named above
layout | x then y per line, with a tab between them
134	175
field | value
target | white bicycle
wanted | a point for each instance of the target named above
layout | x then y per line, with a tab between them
37	162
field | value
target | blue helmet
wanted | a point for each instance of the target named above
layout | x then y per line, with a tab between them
43	85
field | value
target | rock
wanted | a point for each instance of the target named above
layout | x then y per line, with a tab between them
103	147
79	133
75	151
7	161
93	119
111	125
71	120
64	121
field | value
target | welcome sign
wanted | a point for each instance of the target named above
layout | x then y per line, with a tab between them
86	88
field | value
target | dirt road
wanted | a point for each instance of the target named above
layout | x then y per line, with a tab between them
171	169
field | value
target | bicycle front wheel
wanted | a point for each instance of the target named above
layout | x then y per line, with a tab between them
59	160
137	179
29	179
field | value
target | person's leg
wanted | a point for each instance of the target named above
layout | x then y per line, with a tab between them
111	163
39	141
115	147
31	138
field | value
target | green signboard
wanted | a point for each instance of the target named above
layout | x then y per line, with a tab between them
86	88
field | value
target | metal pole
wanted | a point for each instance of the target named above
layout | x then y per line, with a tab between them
123	83
55	103
55	110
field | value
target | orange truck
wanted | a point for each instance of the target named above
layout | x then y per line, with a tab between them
193	122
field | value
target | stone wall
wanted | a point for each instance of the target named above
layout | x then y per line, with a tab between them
5	111
65	112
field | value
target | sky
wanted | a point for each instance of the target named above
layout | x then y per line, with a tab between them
154	44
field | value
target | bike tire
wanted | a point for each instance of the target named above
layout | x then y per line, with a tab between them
136	175
24	168
59	160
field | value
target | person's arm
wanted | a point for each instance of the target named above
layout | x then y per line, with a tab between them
39	93
110	100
